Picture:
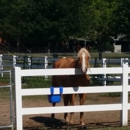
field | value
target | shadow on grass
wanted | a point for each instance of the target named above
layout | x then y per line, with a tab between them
49	122
54	124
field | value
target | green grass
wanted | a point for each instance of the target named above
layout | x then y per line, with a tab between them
93	55
4	80
108	128
113	128
36	82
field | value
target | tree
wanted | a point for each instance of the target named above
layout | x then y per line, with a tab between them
121	19
35	23
100	22
30	23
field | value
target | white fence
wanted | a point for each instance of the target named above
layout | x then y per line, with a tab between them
124	106
29	62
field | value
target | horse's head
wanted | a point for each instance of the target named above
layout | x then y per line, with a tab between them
83	59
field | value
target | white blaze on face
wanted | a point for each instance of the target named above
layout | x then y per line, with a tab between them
83	62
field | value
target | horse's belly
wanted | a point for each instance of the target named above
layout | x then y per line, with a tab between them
62	81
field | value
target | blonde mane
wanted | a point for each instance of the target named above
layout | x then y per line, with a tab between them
83	50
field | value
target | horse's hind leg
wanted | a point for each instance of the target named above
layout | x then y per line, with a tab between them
72	99
66	103
82	100
53	115
54	84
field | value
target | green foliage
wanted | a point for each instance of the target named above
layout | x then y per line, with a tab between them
114	94
4	79
121	19
39	22
108	47
36	82
100	22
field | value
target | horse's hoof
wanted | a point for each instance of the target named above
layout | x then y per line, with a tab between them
82	123
71	123
52	115
66	123
83	127
70	127
67	120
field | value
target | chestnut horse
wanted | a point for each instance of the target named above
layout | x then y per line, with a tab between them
81	62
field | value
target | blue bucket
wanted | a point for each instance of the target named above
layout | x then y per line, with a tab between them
55	98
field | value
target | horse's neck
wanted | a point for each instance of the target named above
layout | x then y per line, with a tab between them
76	64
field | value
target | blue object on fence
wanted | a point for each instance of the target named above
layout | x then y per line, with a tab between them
55	98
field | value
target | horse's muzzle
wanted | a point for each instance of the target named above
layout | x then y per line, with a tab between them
84	71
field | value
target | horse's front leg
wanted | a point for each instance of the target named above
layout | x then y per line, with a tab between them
53	115
66	103
82	100
72	104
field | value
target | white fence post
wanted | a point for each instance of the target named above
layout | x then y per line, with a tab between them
18	99
14	61
29	62
122	61
104	75
46	65
1	65
126	61
124	112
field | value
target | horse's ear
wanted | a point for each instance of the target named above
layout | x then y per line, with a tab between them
88	47
78	47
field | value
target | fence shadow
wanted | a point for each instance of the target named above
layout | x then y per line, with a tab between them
52	124
49	122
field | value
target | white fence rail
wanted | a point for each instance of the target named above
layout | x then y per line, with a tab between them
124	106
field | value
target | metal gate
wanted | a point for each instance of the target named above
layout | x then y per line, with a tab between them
6	100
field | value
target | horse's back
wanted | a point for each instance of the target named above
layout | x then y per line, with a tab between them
64	63
62	80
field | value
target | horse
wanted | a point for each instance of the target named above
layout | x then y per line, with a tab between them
82	62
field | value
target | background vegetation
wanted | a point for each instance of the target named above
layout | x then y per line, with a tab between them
37	23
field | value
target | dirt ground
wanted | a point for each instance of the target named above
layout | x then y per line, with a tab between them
92	119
